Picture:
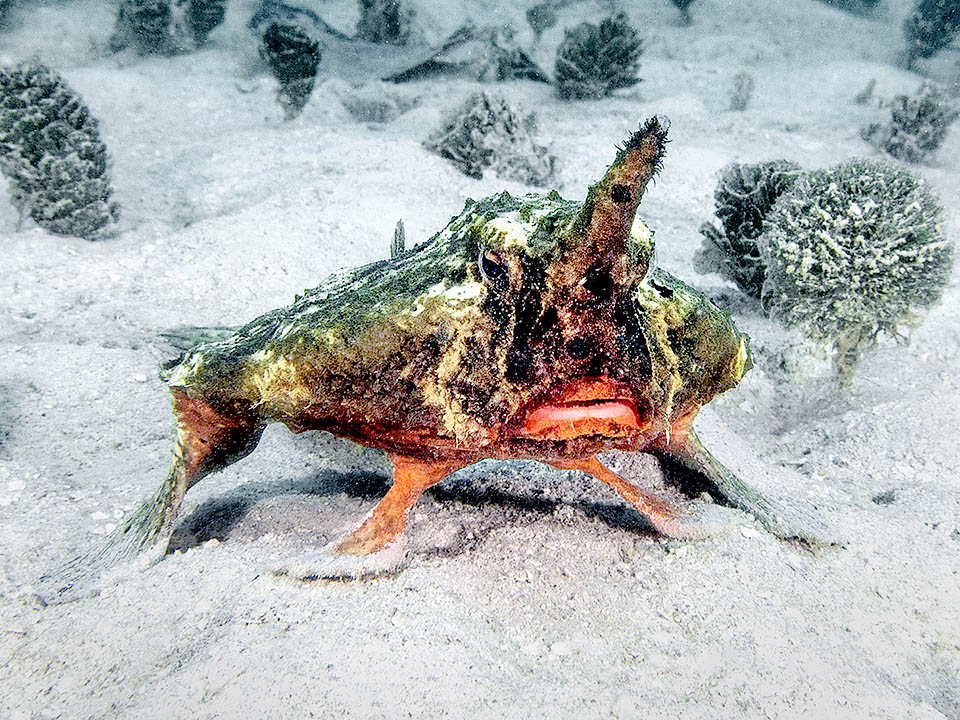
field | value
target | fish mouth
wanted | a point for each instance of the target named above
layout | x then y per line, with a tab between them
589	408
563	421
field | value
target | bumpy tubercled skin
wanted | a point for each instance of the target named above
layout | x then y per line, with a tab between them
529	327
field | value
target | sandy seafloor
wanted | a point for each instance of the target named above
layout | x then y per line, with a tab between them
529	592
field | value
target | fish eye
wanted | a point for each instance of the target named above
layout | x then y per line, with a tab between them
493	268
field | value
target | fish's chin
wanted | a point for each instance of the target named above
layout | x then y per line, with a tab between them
607	417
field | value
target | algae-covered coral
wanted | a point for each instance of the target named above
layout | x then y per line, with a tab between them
930	27
145	26
594	60
293	57
488	133
743	197
917	127
852	252
52	154
202	16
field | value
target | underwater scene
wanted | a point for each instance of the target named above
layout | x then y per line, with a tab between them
479	359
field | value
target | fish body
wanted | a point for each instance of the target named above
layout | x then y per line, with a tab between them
529	327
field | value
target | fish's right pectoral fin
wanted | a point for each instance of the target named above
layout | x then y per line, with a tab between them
789	522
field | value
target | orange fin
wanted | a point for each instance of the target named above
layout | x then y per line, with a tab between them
376	546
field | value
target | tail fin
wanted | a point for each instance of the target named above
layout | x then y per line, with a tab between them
207	441
142	535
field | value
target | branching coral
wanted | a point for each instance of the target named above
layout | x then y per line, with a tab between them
487	133
293	57
854	251
918	125
931	26
144	25
595	60
743	198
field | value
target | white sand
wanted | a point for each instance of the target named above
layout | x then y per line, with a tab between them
530	592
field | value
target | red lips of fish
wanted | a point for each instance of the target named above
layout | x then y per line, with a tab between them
591	408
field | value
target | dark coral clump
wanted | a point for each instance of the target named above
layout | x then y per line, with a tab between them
143	25
684	7
487	133
931	26
541	17
594	60
385	21
293	57
202	16
918	125
857	7
51	153
743	198
4	7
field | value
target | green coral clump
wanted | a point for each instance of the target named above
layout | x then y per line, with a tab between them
743	197
51	153
594	60
852	252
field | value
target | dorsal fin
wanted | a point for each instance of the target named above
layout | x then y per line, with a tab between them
398	245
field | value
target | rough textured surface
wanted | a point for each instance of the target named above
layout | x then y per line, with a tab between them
202	16
488	133
931	27
744	196
293	57
854	251
143	25
530	592
52	154
594	60
918	124
684	7
385	21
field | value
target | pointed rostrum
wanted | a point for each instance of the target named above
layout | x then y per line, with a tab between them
599	236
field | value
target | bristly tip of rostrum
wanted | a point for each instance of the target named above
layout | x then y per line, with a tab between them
653	132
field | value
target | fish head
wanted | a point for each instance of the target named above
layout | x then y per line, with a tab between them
561	330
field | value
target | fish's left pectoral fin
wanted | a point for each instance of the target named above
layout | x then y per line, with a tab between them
376	546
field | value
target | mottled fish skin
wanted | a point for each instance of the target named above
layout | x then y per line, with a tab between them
529	327
430	343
